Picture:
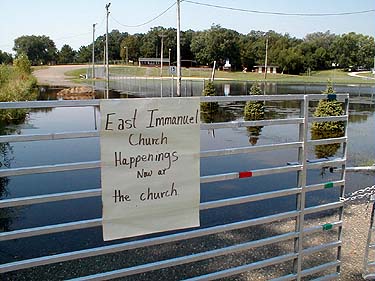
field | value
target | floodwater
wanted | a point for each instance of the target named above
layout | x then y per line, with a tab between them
361	132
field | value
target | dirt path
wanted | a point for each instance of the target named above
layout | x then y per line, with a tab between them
54	75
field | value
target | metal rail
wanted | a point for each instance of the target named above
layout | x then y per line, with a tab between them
297	236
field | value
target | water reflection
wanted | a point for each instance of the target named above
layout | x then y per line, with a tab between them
217	114
254	110
6	156
326	150
325	130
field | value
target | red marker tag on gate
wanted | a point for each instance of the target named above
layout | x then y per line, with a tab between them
245	174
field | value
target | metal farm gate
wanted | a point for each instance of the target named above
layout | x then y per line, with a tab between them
295	244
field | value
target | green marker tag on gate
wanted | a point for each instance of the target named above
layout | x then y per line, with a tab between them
327	226
328	185
331	96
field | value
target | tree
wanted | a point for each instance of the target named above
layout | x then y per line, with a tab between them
66	55
133	44
316	50
5	58
354	50
39	49
250	46
291	61
84	54
151	42
115	38
186	53
216	44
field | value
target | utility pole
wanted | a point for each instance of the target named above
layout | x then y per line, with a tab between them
265	66
178	51
265	61
106	52
161	54
169	69
93	52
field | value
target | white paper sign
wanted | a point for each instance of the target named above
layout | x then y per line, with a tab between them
150	165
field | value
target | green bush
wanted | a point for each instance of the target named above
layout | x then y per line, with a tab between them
209	107
329	107
16	84
329	129
254	110
22	65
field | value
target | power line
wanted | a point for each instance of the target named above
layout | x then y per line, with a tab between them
72	36
280	13
81	34
147	22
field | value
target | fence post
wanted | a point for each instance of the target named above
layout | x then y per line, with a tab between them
342	187
366	262
301	182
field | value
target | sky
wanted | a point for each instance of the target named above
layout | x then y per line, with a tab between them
70	22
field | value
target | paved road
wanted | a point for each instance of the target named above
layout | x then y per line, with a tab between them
54	75
358	74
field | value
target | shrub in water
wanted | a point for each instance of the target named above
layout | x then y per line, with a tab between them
209	107
254	110
330	129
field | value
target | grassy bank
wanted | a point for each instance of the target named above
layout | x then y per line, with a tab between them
16	84
336	76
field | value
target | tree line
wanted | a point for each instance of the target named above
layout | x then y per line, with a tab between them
316	51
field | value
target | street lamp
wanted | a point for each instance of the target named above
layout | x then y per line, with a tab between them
161	54
93	51
169	57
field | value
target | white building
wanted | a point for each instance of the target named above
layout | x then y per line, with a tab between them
261	68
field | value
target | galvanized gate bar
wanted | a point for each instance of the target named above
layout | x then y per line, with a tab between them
249	149
48	104
90	193
329	277
49	229
244	268
320	268
248	198
329	119
260	172
188	259
142	243
328	141
54	136
240	124
84	103
319	186
35	231
301	167
38	199
49	168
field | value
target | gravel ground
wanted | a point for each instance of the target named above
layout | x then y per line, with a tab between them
356	224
